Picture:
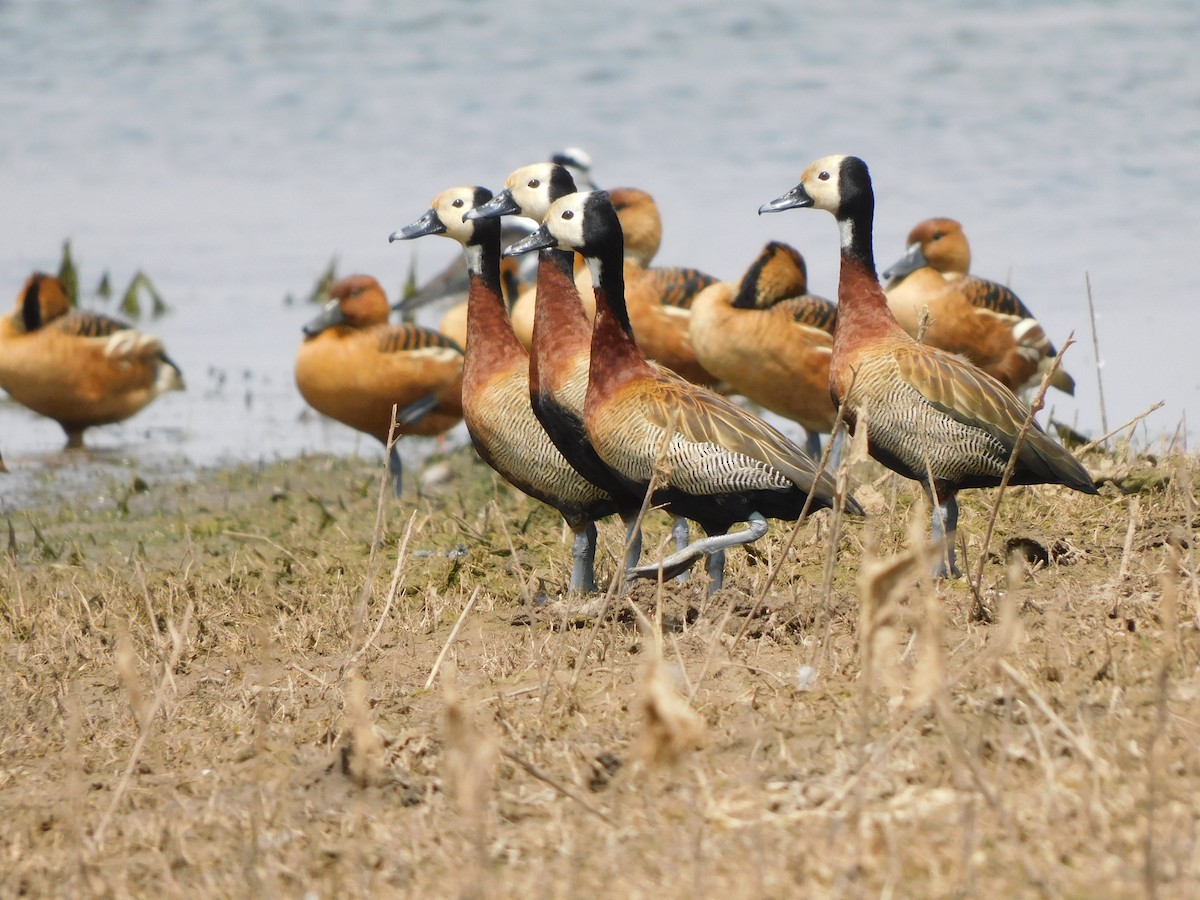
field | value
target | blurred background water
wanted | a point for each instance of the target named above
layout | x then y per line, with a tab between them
231	148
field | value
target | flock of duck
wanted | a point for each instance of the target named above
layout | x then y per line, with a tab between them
606	378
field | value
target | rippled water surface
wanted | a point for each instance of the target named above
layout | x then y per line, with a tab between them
231	149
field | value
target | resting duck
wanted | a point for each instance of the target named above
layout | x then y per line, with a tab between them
353	366
79	368
770	340
979	319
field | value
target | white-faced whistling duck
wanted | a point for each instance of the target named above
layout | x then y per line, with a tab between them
495	395
559	359
976	318
930	415
723	464
353	366
770	340
79	368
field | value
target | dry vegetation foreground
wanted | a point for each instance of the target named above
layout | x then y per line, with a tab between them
218	688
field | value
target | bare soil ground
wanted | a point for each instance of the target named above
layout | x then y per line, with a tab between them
220	689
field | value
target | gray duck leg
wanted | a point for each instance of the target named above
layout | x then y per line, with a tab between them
713	547
633	540
679	531
583	560
945	525
396	469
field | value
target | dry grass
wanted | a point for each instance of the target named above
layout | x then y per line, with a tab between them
217	688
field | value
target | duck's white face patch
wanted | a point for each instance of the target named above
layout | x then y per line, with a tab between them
564	220
451	206
820	181
530	188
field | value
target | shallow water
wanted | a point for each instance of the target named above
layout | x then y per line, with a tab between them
230	150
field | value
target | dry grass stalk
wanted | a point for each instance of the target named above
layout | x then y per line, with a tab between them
857	454
1169	581
125	661
518	572
554	783
178	637
1130	531
1035	407
470	760
364	757
839	425
1087	280
1090	445
141	577
883	583
360	607
670	728
929	674
1079	743
462	617
401	557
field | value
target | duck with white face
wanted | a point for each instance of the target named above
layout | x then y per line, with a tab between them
495	398
930	416
723	465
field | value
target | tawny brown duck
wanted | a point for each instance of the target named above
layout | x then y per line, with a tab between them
559	359
495	394
79	368
723	464
354	367
979	319
770	340
931	415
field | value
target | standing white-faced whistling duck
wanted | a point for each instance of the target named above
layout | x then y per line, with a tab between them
353	366
770	340
495	395
559	359
79	368
976	318
930	415
723	464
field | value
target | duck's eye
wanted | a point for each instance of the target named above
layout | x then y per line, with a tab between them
568	214
824	176
938	235
457	204
534	183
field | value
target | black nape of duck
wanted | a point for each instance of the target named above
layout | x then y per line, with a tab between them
31	304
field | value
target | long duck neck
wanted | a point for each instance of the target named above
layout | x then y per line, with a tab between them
615	355
561	329
489	330
863	313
